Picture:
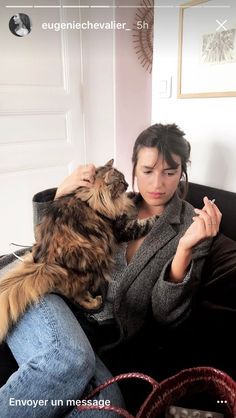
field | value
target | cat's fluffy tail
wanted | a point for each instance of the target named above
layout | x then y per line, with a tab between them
23	286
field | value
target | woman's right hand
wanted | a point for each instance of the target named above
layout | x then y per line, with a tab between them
205	225
83	176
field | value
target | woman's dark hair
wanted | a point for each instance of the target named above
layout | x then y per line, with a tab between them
25	20
168	140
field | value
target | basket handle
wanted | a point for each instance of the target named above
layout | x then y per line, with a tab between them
133	375
112	408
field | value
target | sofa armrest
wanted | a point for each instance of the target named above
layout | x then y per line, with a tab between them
226	202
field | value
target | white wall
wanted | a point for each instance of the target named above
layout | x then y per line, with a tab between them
133	85
209	123
98	61
116	88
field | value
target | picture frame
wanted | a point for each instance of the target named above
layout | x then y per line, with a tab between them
207	49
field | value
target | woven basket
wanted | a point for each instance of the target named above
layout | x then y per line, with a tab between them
190	385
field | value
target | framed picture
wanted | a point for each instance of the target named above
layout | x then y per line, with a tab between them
207	49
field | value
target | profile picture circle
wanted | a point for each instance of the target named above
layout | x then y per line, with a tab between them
20	24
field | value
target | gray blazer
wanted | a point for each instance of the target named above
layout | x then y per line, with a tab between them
144	282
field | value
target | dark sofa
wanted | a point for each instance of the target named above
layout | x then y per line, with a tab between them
214	318
226	201
207	338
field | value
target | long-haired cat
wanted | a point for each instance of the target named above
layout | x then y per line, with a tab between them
75	245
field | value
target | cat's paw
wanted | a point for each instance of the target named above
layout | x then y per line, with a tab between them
88	302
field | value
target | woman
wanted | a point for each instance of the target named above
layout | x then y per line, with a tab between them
22	24
161	272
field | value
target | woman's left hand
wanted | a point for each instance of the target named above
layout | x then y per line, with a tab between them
205	225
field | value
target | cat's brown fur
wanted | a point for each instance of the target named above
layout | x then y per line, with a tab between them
74	248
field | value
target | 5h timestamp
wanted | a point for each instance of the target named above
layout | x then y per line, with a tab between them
141	24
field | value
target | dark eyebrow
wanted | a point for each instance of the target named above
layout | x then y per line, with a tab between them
147	167
172	168
168	168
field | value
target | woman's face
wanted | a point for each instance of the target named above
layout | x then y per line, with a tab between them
156	180
16	18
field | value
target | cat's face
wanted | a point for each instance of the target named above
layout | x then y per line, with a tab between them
109	177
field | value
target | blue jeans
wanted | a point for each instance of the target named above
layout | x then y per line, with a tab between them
56	363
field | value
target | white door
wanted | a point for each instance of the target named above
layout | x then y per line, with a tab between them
41	123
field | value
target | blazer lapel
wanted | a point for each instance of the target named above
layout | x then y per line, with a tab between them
162	232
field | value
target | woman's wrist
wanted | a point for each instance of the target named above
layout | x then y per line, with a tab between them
180	264
61	192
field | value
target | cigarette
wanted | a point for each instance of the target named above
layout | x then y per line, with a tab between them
213	201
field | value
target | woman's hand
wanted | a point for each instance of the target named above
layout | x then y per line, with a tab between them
83	176
205	225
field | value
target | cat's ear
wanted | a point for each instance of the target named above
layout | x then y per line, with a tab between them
109	163
109	176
